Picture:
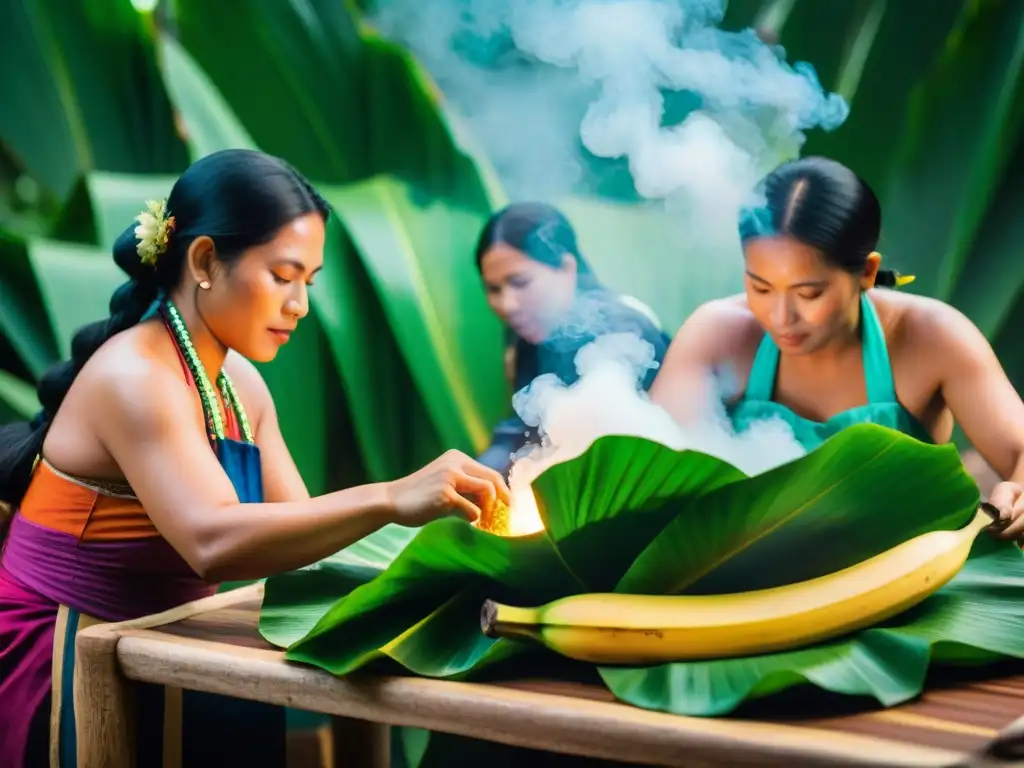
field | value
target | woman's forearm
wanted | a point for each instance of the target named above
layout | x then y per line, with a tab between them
1017	474
251	541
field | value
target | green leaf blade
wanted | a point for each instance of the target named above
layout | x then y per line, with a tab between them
742	536
444	572
87	96
18	399
418	256
598	525
211	124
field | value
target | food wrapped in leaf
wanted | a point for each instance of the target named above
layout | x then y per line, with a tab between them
682	522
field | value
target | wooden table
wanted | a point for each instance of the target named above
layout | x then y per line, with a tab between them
213	645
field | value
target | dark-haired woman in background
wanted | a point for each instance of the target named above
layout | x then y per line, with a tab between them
813	341
552	304
156	468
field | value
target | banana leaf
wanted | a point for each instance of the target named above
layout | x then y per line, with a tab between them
334	98
393	429
961	130
314	422
76	283
903	51
393	434
18	399
676	522
995	272
208	122
103	205
432	589
419	258
87	95
814	32
23	321
286	621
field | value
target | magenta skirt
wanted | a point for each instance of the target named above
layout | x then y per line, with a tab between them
27	621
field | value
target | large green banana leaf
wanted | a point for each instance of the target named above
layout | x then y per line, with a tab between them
18	399
76	283
896	62
418	254
87	94
961	129
208	122
333	97
674	522
393	433
103	205
23	320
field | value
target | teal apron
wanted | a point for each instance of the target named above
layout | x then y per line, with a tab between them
882	407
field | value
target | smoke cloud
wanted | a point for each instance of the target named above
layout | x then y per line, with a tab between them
644	99
567	96
607	400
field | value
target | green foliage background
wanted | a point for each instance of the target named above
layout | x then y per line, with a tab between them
400	357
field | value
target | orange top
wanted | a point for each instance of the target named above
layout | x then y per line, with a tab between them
93	510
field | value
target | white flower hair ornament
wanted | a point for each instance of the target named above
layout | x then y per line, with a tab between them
154	231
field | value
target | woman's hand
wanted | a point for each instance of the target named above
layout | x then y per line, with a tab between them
1008	498
449	484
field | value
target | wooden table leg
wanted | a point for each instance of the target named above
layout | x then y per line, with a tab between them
1009	744
360	744
103	696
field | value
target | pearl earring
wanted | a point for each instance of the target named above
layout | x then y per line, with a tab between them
205	285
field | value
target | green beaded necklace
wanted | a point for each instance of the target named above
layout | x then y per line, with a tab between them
211	409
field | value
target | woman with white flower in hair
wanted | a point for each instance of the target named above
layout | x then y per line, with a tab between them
156	468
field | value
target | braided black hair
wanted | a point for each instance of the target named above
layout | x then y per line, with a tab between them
240	199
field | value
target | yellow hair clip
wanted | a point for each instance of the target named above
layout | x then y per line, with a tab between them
902	280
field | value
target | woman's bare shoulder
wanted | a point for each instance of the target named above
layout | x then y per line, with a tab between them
137	370
923	323
723	328
131	390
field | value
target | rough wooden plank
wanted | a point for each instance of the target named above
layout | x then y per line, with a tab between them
551	722
960	710
104	698
103	702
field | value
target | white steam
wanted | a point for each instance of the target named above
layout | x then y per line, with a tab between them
569	97
606	400
535	79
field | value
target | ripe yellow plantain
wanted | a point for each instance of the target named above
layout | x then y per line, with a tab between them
611	628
